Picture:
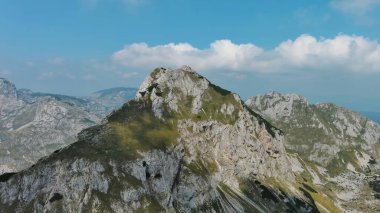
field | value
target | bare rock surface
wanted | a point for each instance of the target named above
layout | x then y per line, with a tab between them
34	125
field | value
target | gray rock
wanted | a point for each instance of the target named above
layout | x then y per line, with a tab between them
34	125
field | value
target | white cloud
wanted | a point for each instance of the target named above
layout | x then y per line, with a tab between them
360	9
88	77
129	75
57	61
220	54
355	6
305	53
4	73
54	75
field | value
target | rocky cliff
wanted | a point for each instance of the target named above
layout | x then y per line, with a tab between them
33	125
183	144
33	128
339	147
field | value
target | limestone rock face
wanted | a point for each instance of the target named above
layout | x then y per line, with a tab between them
183	144
32	131
342	146
34	125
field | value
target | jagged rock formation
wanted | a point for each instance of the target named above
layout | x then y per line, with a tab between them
183	144
340	148
33	125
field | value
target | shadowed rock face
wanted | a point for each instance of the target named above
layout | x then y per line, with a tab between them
183	144
33	125
342	148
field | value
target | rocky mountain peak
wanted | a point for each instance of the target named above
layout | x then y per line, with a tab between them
173	88
7	89
183	144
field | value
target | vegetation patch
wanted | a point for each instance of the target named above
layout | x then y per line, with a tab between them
143	134
154	206
339	164
203	167
135	128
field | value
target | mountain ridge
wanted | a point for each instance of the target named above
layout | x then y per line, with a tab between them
339	146
33	125
182	144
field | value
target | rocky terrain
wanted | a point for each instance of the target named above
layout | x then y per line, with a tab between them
33	125
339	148
181	145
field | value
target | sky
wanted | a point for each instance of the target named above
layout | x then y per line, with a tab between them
325	50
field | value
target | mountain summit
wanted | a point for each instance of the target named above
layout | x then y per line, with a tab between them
183	144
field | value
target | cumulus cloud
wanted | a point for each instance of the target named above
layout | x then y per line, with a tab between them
344	53
220	54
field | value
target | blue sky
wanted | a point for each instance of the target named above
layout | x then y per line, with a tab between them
325	50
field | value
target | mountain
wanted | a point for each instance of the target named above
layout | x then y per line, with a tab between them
340	148
182	144
375	116
100	103
33	125
105	101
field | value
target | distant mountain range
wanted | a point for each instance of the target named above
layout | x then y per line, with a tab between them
184	144
33	125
